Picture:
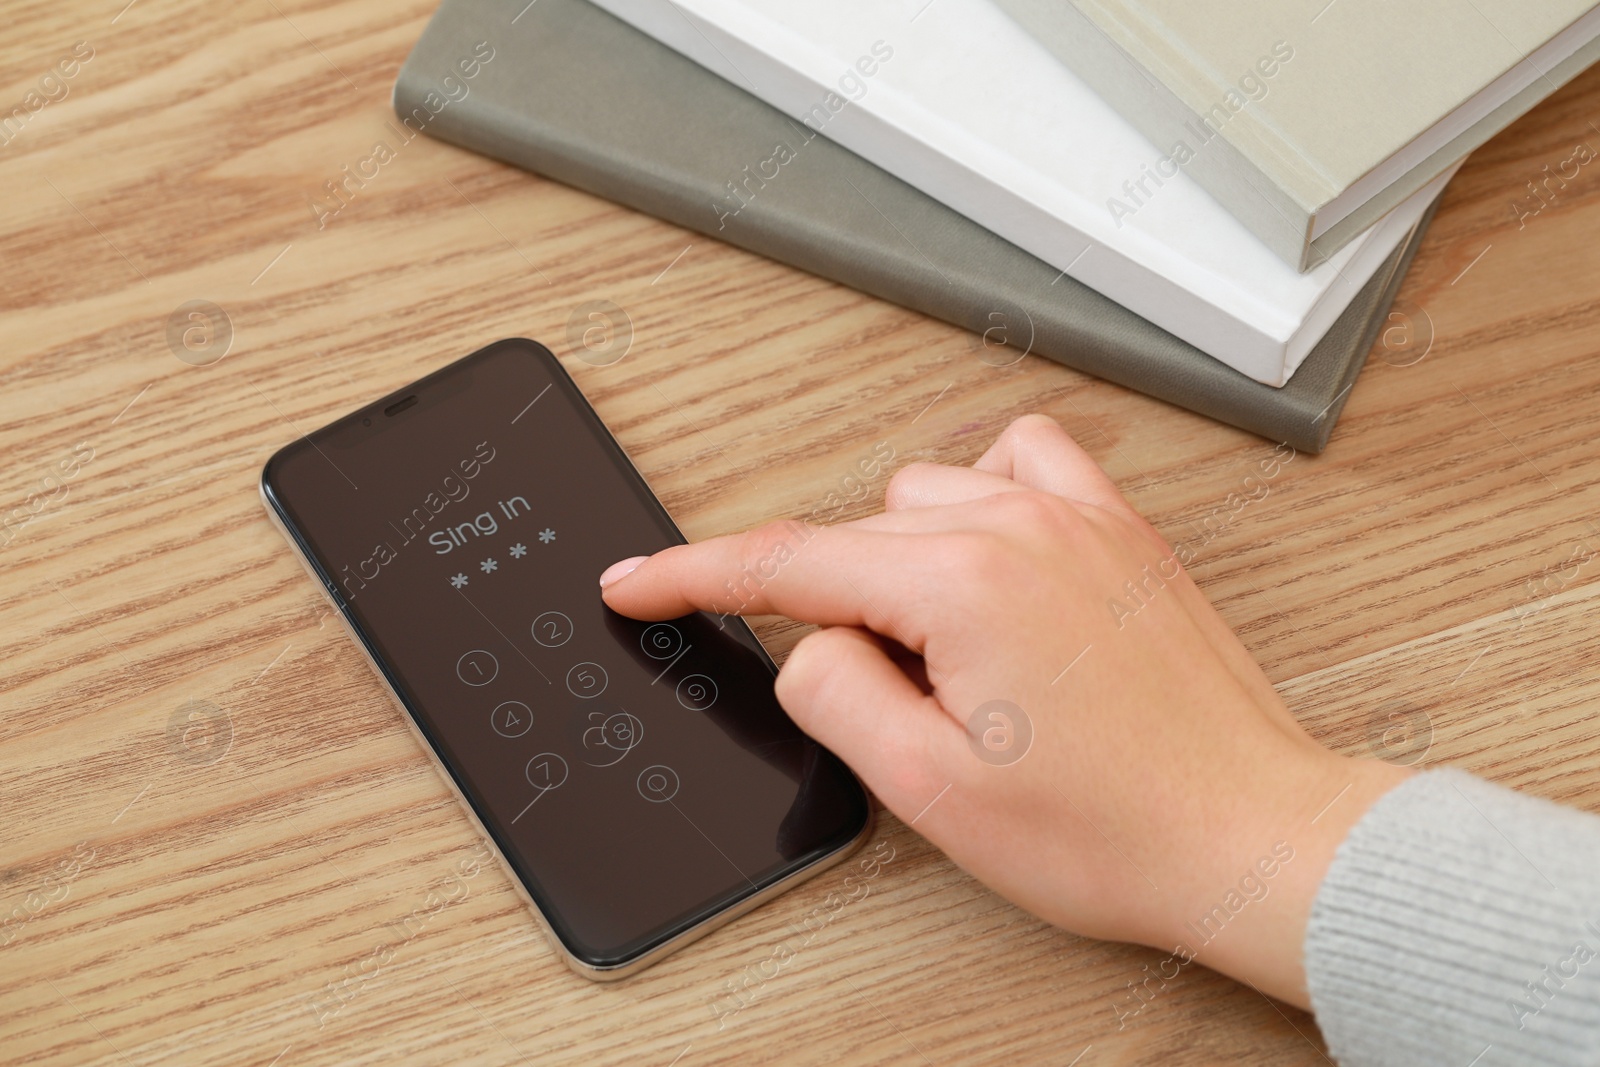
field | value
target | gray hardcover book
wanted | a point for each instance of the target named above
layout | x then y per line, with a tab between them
562	88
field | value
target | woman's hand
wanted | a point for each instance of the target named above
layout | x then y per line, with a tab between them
1017	665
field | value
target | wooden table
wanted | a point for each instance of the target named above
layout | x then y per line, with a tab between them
213	817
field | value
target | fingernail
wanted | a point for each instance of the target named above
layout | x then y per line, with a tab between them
620	569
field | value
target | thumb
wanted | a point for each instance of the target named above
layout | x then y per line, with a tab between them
841	687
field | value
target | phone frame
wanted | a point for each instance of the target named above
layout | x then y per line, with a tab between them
301	550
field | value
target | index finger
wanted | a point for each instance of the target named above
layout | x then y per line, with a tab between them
828	575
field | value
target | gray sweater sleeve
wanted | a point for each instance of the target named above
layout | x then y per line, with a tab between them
1459	924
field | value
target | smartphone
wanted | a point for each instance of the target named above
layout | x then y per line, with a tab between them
640	780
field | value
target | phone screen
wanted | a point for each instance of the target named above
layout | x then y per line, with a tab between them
639	777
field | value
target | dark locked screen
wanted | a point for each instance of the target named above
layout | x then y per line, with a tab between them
640	776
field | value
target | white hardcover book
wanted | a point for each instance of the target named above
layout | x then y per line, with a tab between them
956	99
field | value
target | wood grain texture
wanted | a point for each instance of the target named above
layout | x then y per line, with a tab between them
195	900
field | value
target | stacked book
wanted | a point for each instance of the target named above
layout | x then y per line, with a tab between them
1212	204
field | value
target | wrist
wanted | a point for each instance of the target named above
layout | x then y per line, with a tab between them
1247	917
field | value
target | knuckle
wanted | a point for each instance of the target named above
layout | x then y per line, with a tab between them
1034	510
1120	522
1031	427
1017	526
905	485
767	547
